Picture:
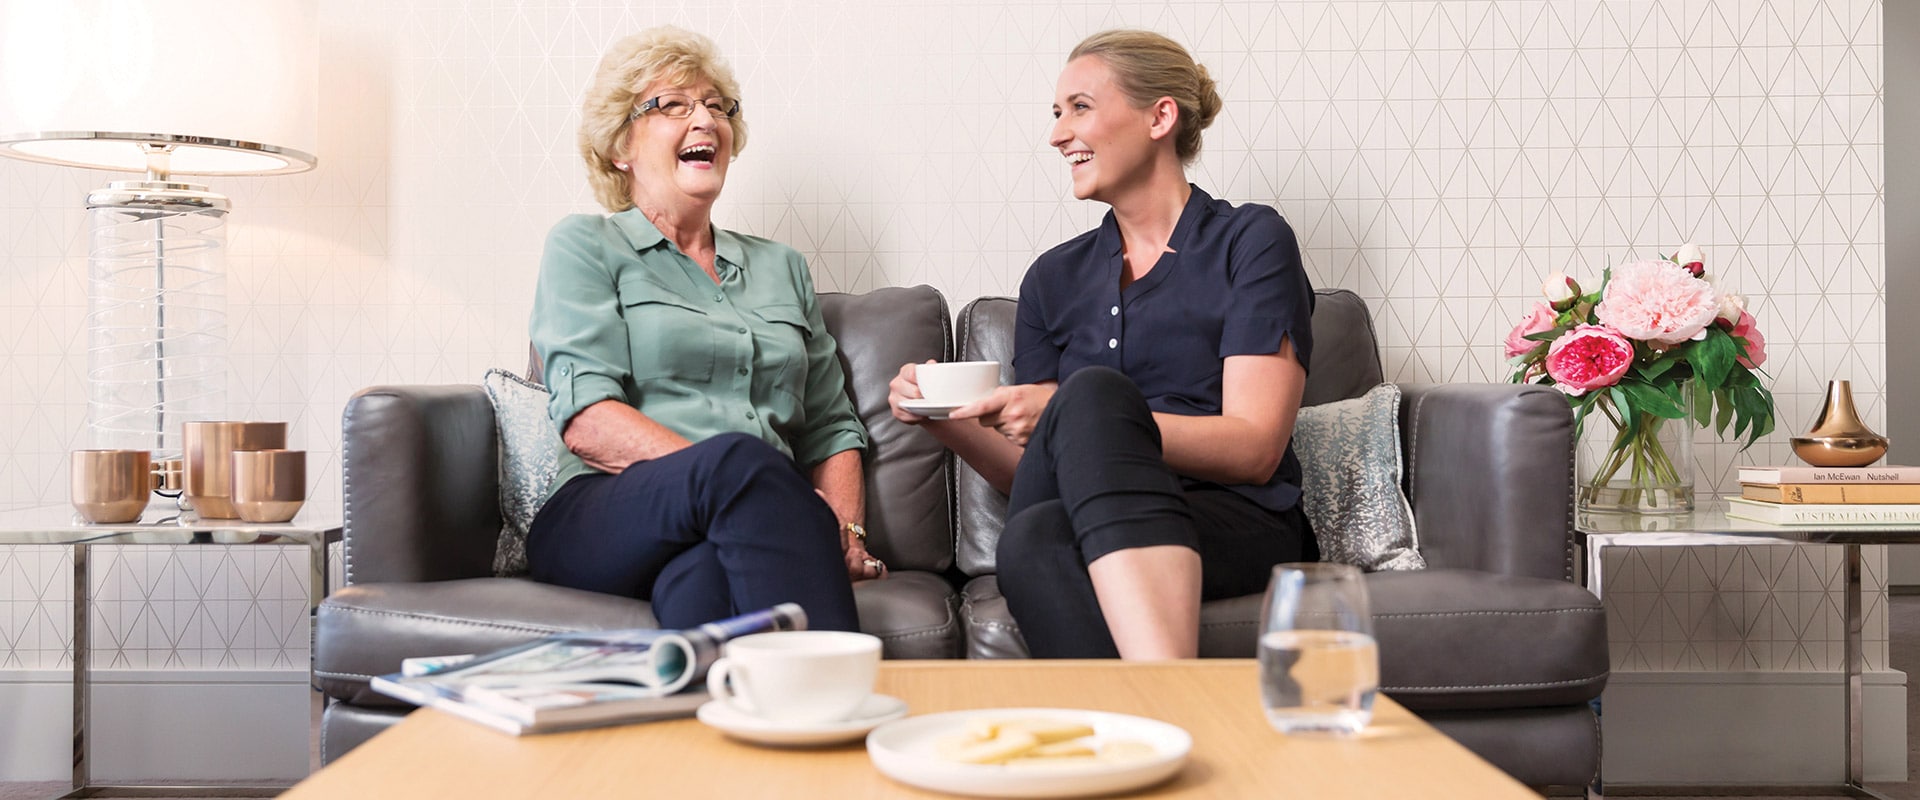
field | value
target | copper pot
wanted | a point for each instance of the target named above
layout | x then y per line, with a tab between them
269	485
209	454
111	486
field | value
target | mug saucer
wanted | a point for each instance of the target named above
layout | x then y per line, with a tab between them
874	711
929	408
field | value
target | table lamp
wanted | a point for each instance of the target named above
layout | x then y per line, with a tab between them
183	87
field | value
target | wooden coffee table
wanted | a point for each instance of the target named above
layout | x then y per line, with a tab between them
1235	753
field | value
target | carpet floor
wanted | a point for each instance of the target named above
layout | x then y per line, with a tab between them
1905	622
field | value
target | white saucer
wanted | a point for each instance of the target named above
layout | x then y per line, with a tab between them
930	409
876	710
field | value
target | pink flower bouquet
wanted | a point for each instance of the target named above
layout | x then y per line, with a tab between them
1655	342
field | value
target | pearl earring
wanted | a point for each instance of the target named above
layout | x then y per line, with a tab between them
620	165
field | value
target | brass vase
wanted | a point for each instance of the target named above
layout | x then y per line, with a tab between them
1839	438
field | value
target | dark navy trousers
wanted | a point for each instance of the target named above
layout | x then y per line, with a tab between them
1093	480
726	526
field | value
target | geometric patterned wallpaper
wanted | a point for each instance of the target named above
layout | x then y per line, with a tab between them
1439	157
158	607
1766	608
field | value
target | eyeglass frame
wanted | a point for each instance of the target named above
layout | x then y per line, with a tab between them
653	104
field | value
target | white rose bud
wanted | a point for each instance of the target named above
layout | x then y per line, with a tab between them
1692	258
1731	306
1560	290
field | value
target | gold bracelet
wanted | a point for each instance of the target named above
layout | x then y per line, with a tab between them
858	530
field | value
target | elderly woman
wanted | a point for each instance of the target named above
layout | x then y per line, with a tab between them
1159	361
713	459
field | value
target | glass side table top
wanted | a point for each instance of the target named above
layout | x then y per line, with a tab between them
1709	524
162	524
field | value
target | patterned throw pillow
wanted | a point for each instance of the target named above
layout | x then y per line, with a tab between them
529	458
1349	455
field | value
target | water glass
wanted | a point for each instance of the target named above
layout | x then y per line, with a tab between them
1319	665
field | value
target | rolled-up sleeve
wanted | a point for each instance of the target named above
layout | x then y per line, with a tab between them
577	326
832	424
1271	299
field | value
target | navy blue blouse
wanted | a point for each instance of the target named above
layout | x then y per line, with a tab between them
1234	285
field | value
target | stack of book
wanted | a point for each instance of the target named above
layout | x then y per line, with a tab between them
1828	495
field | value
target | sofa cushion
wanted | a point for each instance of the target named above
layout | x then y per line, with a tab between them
367	629
529	459
1449	639
913	613
1349	454
909	511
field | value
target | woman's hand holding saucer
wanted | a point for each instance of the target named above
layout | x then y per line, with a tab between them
1014	411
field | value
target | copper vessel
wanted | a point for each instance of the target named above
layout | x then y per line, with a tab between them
111	486
209	455
269	485
1839	438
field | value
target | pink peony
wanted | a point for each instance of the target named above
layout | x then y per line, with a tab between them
1588	357
1749	330
1657	301
1540	319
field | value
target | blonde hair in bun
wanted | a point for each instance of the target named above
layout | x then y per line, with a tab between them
1148	66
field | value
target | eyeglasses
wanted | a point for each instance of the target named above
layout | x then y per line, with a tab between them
677	106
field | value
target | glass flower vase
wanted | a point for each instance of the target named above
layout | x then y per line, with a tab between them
1645	470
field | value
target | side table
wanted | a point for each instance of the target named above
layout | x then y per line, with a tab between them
58	525
1709	525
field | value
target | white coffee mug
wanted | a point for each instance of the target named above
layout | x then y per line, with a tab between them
957	381
796	677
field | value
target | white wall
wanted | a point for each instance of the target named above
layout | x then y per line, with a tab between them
1437	156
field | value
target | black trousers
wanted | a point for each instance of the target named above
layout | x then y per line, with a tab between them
1092	481
726	526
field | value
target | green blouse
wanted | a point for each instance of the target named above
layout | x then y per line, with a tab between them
620	313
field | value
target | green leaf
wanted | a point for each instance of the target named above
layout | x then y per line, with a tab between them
1713	356
1659	366
1629	416
1723	411
1651	400
1702	404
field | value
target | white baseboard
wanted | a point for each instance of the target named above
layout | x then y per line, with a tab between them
1748	727
159	725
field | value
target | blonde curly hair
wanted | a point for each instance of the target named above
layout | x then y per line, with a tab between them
666	53
1148	66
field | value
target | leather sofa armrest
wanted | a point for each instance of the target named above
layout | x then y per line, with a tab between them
1489	472
420	484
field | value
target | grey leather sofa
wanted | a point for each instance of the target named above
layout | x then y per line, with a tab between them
1494	644
420	477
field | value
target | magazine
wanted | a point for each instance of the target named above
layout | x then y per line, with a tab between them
581	679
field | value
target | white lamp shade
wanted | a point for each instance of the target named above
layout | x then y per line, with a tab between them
232	84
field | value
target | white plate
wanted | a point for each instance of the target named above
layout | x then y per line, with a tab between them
930	409
905	752
874	711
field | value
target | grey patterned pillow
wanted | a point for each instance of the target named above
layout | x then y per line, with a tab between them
529	458
1349	455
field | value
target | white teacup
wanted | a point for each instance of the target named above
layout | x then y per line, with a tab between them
957	382
797	677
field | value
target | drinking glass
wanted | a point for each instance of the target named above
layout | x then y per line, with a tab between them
1319	666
